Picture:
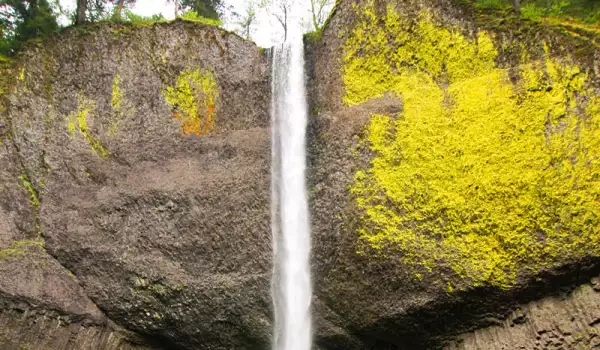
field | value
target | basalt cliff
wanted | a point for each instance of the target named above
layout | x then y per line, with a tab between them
454	179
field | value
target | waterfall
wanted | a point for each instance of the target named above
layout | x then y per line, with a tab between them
291	285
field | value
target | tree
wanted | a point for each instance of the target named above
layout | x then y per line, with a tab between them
94	10
205	8
246	20
120	5
81	10
22	20
176	6
280	10
320	11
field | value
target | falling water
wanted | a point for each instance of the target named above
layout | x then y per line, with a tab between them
291	286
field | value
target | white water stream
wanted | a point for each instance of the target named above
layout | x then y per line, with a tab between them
291	286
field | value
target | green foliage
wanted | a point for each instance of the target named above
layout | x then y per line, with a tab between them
25	184
142	20
193	16
494	4
203	8
321	11
585	11
552	8
190	15
314	36
100	10
22	20
5	62
6	77
194	98
478	174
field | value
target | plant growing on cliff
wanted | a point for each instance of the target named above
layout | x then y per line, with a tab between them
246	20
204	8
194	99
18	248
120	6
478	174
25	183
193	16
587	11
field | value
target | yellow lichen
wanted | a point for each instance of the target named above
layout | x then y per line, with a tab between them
21	76
116	102
478	174
16	248
194	99
79	119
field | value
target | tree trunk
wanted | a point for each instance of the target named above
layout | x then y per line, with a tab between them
285	23
119	9
517	6
81	10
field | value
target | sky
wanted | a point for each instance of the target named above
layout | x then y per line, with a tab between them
264	33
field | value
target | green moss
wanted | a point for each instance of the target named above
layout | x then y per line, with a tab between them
478	174
16	248
5	61
314	36
194	98
123	30
583	11
26	184
193	16
79	120
27	243
158	289
34	198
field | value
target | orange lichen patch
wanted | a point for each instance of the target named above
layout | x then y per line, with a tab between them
190	125
194	98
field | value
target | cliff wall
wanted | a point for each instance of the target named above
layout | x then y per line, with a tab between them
453	158
453	184
137	183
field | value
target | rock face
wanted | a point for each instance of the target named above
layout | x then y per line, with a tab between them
453	179
165	231
414	153
557	322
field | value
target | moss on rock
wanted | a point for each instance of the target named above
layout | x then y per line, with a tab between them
79	120
194	98
483	172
